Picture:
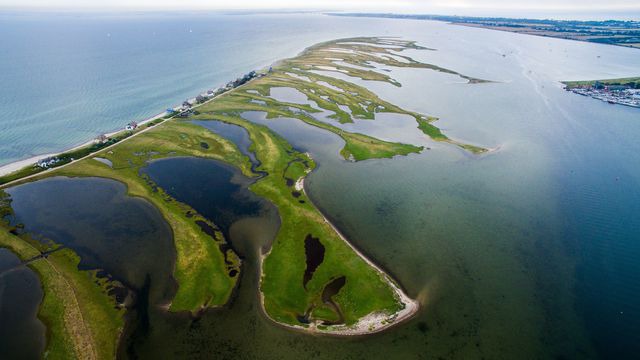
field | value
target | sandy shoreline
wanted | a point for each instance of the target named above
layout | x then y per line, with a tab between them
17	165
371	323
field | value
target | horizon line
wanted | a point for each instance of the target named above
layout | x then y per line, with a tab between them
522	14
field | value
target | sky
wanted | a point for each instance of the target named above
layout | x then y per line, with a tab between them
458	7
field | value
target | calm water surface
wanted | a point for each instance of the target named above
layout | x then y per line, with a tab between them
237	134
213	189
22	335
531	249
126	237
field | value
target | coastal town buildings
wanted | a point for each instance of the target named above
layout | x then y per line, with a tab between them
48	162
131	126
613	94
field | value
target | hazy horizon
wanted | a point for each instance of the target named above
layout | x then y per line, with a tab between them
559	9
554	15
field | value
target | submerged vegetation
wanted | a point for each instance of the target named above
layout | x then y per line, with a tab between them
334	291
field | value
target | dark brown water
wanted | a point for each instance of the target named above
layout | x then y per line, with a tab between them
22	335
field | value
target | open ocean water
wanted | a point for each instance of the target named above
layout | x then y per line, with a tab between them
531	251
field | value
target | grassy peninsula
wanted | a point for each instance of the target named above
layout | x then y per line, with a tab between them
344	293
359	58
79	314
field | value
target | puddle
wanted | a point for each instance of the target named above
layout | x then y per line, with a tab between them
287	94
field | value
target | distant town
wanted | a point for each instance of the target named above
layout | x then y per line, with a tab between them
614	91
612	32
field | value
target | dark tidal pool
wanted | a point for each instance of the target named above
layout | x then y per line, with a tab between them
22	335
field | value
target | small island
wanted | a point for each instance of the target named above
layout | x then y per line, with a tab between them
312	278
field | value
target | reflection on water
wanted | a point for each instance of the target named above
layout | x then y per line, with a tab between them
237	134
22	335
290	95
126	237
302	136
215	190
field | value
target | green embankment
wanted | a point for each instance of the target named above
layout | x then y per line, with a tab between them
82	320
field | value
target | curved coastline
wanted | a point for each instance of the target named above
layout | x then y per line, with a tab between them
14	166
367	325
